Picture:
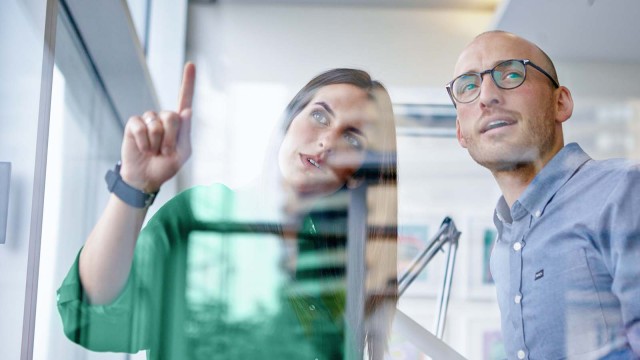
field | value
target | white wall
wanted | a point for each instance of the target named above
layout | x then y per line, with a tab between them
407	46
275	49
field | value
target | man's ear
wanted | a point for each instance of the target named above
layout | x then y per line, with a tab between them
461	139
564	104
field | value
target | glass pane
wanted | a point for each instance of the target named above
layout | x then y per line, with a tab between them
84	140
22	26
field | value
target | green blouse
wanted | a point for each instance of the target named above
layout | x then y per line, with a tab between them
212	279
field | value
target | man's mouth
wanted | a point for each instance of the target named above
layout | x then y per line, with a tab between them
497	124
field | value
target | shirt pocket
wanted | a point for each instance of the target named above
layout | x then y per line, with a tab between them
576	322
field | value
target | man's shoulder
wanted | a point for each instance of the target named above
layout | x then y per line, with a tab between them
613	166
610	176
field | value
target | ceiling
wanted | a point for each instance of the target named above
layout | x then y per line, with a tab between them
459	4
581	30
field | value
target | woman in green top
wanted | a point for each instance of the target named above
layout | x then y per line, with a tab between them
229	274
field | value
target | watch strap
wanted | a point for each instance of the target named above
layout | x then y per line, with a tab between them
126	192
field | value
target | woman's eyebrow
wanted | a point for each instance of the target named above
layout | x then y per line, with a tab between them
358	131
326	107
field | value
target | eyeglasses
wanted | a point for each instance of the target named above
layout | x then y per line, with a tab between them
508	74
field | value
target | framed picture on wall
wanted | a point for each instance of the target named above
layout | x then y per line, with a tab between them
401	348
481	236
493	345
413	239
484	338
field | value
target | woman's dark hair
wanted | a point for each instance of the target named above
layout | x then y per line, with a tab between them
358	78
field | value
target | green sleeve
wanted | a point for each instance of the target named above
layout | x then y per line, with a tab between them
131	322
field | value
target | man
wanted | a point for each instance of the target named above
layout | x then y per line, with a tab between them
566	262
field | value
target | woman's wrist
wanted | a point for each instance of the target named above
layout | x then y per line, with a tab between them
127	193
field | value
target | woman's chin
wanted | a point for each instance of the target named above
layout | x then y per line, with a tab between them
314	189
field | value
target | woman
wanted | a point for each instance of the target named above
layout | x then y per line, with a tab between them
239	274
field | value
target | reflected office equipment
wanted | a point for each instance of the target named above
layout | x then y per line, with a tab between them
179	315
178	311
447	235
430	344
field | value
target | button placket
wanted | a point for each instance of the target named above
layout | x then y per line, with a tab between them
517	255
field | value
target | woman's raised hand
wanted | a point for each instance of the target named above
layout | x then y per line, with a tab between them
156	145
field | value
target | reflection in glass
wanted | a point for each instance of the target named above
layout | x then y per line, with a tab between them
263	270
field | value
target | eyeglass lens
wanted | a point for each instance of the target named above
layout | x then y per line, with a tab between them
506	75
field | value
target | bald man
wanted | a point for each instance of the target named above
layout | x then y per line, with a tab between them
566	262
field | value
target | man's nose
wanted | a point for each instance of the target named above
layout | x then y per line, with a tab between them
490	93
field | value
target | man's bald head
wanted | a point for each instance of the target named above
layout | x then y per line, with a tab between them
511	45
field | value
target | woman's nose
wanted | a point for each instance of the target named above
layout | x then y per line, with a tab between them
328	141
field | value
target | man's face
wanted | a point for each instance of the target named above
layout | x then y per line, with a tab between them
506	129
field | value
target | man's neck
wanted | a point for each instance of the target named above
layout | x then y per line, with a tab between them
514	180
513	183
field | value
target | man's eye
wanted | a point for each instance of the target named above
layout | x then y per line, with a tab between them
513	75
469	87
353	141
320	117
465	84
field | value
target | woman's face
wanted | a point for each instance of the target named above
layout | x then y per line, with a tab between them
326	142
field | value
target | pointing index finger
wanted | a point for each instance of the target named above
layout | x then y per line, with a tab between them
187	87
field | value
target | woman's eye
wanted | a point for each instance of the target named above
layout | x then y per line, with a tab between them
353	141
320	117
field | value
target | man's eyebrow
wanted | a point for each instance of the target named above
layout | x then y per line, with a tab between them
326	107
493	64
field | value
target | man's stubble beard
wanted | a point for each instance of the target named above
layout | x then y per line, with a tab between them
531	147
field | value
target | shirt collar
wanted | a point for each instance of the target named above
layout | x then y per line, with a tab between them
545	185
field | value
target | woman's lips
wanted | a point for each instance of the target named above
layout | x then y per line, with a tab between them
310	162
314	163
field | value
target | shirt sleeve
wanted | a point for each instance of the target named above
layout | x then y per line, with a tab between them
131	322
110	327
620	234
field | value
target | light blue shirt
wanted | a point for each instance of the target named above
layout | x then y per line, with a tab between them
566	262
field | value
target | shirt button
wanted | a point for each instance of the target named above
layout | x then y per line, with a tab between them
517	299
538	213
521	354
517	246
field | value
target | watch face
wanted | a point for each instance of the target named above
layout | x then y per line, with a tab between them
150	198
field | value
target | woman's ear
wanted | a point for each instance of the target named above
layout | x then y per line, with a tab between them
354	181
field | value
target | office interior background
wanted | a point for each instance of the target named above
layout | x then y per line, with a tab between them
72	72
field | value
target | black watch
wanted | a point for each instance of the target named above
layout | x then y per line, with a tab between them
126	192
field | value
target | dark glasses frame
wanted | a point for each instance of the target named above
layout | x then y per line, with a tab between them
524	62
